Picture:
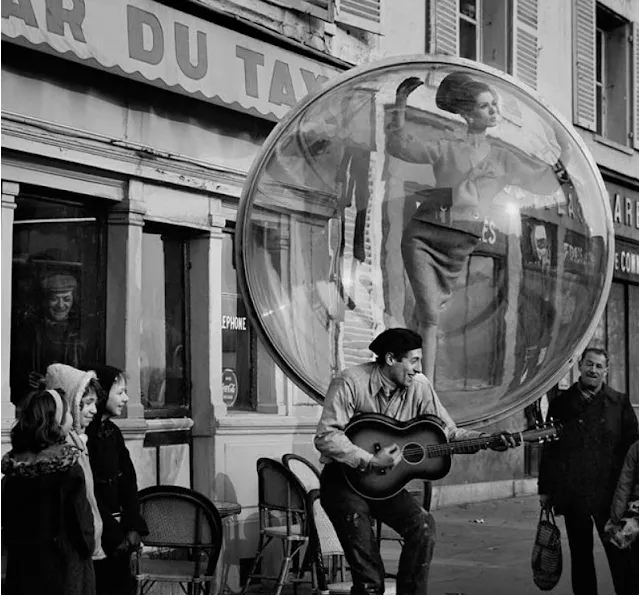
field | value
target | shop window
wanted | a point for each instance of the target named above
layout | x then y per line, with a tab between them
239	352
612	75
58	288
164	353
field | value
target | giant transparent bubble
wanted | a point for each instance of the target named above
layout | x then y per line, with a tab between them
473	215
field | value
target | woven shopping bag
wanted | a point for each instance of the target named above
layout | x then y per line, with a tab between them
546	555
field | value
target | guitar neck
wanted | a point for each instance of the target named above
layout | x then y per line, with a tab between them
468	446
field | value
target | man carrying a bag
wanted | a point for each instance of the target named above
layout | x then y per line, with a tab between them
578	473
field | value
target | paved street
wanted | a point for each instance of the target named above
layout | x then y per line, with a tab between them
485	548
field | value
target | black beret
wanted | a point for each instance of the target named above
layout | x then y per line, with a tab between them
395	340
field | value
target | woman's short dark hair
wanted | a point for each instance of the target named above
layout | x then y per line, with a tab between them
37	427
458	92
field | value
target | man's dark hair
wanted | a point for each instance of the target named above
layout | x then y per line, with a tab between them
596	351
36	427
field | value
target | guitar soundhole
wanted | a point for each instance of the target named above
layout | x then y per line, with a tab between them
413	453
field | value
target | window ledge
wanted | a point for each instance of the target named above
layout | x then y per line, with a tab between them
169	424
241	423
613	144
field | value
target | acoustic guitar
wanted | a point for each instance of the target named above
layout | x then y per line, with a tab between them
426	451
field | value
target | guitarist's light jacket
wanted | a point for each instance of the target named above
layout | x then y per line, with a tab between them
364	389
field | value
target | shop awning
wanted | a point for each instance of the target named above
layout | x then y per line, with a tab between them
157	44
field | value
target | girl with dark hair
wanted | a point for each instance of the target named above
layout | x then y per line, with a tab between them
469	173
116	487
47	521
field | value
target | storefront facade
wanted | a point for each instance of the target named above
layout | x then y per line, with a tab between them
124	154
128	128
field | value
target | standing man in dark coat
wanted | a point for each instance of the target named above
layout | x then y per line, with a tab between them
578	473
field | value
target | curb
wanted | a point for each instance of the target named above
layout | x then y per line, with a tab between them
456	495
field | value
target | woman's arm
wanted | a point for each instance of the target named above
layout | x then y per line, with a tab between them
401	144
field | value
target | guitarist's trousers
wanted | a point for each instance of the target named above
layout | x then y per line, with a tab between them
353	516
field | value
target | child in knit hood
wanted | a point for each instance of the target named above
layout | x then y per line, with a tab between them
116	488
47	521
80	389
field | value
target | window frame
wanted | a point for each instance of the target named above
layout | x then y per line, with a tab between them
98	214
253	405
475	22
184	236
608	23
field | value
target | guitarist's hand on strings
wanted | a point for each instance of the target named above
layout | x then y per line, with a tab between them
387	458
506	441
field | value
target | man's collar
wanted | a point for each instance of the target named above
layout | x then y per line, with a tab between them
379	381
589	393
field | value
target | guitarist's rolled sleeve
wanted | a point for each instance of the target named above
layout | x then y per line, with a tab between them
330	440
362	389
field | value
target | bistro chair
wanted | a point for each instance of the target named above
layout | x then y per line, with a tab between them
327	547
309	476
184	540
282	517
304	470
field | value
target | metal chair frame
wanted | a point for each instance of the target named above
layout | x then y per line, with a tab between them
189	562
291	509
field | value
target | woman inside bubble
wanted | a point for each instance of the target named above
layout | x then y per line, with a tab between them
470	170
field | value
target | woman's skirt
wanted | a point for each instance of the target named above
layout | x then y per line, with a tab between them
434	256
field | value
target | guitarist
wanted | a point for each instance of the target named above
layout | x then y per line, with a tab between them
393	386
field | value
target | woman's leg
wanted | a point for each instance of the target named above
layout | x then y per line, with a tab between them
434	256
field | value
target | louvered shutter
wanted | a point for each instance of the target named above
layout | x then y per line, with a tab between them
635	86
525	41
317	8
584	95
445	29
361	14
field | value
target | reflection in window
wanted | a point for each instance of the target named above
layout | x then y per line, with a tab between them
57	288
238	345
164	374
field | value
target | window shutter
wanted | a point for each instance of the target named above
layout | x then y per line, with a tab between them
525	41
445	28
635	86
316	8
361	14
584	64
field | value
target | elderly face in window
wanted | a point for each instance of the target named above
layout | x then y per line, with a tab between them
60	296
